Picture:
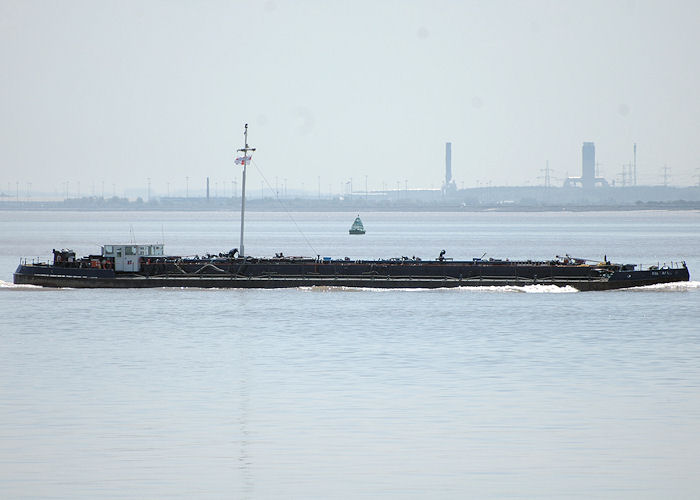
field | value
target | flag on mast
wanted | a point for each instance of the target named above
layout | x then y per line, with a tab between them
243	160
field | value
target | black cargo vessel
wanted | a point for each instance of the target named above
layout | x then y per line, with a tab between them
147	266
232	271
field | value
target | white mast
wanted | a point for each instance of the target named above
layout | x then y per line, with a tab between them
244	160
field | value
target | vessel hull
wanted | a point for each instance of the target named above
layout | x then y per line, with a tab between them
48	276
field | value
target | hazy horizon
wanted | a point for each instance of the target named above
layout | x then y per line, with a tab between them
114	93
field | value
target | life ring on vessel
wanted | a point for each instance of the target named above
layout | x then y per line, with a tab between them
107	264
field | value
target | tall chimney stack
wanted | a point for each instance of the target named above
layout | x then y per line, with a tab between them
448	163
635	164
588	165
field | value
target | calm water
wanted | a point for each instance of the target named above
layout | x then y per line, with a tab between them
313	393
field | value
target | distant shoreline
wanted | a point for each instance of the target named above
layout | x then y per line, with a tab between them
301	205
481	199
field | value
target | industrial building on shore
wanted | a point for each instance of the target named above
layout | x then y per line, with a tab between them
586	190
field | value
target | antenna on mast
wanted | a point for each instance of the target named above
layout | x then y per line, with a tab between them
243	160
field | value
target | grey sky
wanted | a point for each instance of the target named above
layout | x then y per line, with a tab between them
117	92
